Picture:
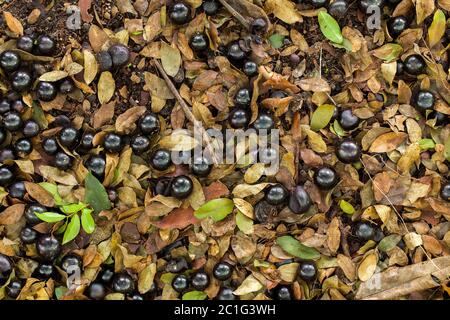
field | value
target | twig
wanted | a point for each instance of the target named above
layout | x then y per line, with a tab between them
187	111
235	14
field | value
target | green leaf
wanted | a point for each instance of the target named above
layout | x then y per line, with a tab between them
217	209
330	28
389	242
62	228
276	40
426	144
297	249
72	208
346	207
167	278
60	292
447	149
322	116
39	116
338	129
194	295
388	52
72	230
53	190
50	216
244	223
96	194
87	222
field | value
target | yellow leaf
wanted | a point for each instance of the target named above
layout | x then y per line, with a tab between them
367	267
53	76
106	87
437	28
170	59
90	66
284	10
13	24
254	173
423	9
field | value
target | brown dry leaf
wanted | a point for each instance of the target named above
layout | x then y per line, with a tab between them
170	59
245	190
389	218
12	214
414	130
179	140
13	23
315	140
347	266
254	173
90	66
126	122
197	197
215	190
249	285
371	136
243	247
157	86
333	235
177	219
411	156
103	115
146	277
97	37
244	207
314	85
39	194
367	267
25	166
388	71
53	174
84	6
387	142
299	40
106	87
284	10
152	27
201	112
53	76
424	8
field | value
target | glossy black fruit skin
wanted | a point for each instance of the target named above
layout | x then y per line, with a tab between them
348	120
9	61
180	283
69	137
276	194
5	268
48	247
25	43
7	154
106	276
338	8
235	53
13	289
123	283
239	118
46	91
149	124
318	3
441	119
258	26
250	68
30	129
283	293
210	7
199	42
307	271
12	121
264	121
23	147
226	294
423	100
181	187
66	86
104	61
6	176
177	265
400	68
86	143
70	263
30	215
96	291
243	97
415	64
63	161
50	146
96	165
299	200
222	271
21	81
348	151
326	178
162	187
278	94
161	159
2	135
364	231
445	192
17	190
113	143
5	106
396	25
200	281
180	13
45	271
366	4
28	235
140	144
120	55
201	166
45	45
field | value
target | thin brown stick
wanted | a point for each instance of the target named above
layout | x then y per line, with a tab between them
235	14
187	111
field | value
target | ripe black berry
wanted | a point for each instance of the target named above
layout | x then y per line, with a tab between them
222	271
5	106
96	164
123	283
30	215
25	43
177	265
106	276
239	118
180	13
13	289
48	247
210	7
243	97
21	81
2	135
278	94
86	143
46	91
299	200
66	86
12	121
276	194
28	235
348	120
200	281
63	161
140	144
338	8
250	68
326	178
199	42
423	100
283	293
180	283
201	166
9	61
264	121
235	53
364	231
258	26
96	291
17	190
112	143
307	271
6	176
415	64
149	124
445	192
120	55
441	119
226	294
396	25
181	187
161	159
348	151
50	146
68	137
318	3
104	61
30	128
45	45
365	5
45	271
5	268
